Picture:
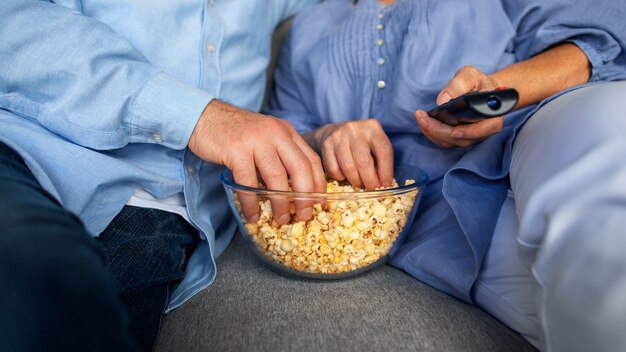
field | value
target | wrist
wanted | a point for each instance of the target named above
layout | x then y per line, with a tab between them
316	138
203	141
499	81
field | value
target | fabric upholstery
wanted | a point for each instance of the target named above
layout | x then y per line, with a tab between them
251	308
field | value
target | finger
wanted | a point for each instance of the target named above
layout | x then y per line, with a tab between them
348	165
330	162
383	153
244	173
456	140
432	127
319	177
300	170
362	155
465	80
275	177
479	130
444	135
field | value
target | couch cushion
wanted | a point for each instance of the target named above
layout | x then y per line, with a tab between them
251	308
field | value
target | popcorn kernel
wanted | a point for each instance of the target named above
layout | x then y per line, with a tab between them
341	235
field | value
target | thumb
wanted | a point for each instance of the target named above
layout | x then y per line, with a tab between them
444	96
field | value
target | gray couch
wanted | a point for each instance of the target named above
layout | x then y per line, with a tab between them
251	308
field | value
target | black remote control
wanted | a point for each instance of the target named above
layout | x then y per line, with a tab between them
475	106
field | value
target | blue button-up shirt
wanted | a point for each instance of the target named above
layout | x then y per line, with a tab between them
100	97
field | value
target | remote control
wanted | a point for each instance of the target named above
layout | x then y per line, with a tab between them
475	106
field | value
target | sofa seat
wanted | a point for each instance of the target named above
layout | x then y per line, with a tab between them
252	308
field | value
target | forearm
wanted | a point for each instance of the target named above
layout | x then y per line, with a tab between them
78	78
545	74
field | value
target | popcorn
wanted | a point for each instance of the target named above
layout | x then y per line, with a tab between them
341	236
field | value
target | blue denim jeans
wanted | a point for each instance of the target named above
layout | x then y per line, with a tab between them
146	250
63	290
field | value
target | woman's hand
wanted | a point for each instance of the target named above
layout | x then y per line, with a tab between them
359	151
467	79
543	75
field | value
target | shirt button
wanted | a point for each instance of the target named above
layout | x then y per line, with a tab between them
380	61
380	15
380	84
191	170
210	48
380	42
379	26
157	137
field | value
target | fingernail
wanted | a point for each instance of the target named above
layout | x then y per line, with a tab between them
306	213
457	134
254	219
445	97
283	219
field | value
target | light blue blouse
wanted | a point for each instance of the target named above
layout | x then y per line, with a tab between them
343	62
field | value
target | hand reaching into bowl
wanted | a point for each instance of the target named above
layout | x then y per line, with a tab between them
247	142
358	151
351	230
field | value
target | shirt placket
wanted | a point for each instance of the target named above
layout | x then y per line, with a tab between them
380	58
213	27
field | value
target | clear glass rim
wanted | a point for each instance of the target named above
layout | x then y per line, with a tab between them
420	180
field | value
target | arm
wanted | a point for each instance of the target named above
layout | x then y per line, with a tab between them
78	78
83	81
557	44
546	74
537	78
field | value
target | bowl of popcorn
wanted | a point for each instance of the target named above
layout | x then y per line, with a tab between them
351	231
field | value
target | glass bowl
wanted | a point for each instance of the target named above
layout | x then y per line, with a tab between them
350	233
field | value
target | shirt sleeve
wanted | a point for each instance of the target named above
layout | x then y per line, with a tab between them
78	78
597	27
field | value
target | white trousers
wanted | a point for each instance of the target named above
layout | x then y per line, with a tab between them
556	268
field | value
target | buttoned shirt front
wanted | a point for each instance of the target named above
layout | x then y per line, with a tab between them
100	99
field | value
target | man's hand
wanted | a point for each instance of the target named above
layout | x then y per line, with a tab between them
467	79
357	150
247	142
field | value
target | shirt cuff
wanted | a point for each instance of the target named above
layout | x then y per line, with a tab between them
595	57
166	112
